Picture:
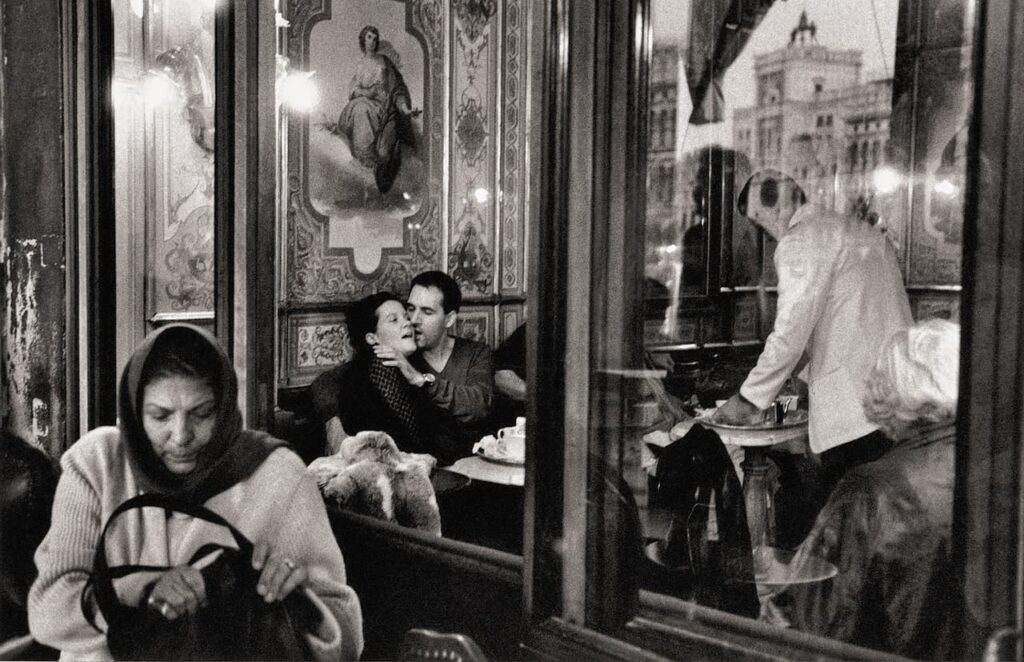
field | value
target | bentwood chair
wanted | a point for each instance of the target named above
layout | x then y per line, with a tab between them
420	644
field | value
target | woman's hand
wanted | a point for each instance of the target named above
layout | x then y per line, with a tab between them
179	591
389	356
279	574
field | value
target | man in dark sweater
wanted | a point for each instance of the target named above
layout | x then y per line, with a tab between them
456	373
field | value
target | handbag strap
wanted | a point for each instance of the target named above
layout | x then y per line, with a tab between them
103	575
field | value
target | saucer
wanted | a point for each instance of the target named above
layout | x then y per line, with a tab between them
497	458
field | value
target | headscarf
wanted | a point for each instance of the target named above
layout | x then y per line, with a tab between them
231	455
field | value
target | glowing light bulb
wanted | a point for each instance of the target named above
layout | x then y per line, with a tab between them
158	89
946	187
121	94
885	179
298	91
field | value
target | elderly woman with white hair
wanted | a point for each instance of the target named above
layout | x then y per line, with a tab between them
886	526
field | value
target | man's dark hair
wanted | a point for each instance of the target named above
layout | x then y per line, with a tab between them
361	318
451	295
769	191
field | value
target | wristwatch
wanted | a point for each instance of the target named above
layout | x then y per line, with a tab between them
424	379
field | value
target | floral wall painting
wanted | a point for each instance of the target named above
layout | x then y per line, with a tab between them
366	152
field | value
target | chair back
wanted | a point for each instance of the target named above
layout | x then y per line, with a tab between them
695	474
420	644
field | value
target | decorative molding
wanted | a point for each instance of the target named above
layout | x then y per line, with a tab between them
511	318
513	133
470	262
474	194
473	15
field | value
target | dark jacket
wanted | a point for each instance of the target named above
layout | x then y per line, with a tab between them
361	407
886	527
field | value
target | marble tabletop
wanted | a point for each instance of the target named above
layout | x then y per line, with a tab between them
487	471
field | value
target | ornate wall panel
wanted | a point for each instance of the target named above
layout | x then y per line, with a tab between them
181	225
515	69
313	342
459	199
510	317
364	188
476	324
473	130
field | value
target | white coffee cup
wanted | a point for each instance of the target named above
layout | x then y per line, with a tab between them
512	442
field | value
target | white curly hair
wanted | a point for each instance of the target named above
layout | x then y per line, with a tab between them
915	380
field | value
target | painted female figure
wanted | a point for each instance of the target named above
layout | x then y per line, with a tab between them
376	119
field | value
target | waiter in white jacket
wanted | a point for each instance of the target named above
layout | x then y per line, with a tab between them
840	297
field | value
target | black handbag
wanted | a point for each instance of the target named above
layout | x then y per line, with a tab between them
235	624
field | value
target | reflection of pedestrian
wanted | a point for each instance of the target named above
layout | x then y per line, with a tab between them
375	121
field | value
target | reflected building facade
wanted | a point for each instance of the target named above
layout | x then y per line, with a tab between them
815	119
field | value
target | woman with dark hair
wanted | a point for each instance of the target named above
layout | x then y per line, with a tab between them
180	435
376	119
373	395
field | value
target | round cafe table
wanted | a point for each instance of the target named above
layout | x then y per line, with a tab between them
488	471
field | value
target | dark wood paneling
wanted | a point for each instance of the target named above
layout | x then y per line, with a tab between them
546	342
987	509
408	579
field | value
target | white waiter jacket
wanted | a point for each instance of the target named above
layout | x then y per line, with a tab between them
840	297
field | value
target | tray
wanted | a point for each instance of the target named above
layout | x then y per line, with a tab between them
793	419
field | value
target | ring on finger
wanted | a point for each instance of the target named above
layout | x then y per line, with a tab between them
164	608
291	564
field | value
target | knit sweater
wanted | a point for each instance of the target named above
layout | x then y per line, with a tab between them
279	504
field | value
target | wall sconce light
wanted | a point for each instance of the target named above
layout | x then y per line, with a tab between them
946	188
885	180
298	91
158	89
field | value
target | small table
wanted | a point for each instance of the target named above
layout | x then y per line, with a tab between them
487	471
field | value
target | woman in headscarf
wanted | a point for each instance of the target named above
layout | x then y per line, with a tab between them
180	434
373	395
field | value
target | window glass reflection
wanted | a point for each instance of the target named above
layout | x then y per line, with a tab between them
756	111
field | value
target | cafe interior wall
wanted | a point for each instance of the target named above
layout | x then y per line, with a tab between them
33	317
471	219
